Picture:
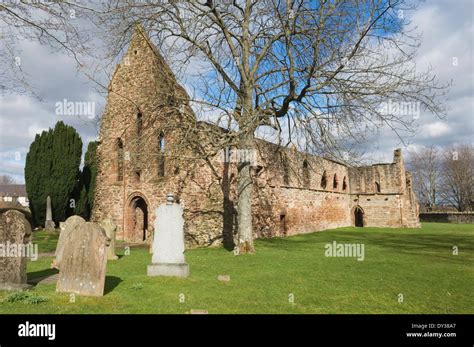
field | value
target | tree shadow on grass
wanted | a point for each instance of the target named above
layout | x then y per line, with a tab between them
438	245
42	273
38	276
433	245
110	283
415	243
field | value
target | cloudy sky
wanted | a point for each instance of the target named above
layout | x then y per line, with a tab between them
448	40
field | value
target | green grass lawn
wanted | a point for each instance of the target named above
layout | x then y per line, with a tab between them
46	240
417	263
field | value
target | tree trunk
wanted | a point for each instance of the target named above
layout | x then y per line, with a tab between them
244	199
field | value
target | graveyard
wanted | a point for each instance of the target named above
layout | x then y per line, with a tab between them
306	162
404	271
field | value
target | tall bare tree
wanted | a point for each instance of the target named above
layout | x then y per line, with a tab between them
6	179
458	177
426	164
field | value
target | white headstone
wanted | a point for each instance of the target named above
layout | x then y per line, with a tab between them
168	242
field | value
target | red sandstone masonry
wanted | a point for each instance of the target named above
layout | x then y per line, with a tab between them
288	196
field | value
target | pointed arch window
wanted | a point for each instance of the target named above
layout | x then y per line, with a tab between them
335	182
120	157
161	154
344	184
138	174
324	180
139	124
306	177
286	169
377	187
161	142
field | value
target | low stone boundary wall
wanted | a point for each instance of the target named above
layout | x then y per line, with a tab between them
447	217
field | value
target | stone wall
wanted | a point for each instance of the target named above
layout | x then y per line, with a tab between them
448	217
384	193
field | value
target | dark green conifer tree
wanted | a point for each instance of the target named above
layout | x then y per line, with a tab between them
52	168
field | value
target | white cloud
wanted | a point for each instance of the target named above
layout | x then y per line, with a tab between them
447	32
54	77
435	129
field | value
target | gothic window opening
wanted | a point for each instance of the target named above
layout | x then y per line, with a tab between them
344	184
138	174
161	155
119	160
161	142
306	178
377	187
139	124
335	182
286	169
324	180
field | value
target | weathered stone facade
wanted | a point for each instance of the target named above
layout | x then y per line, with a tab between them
142	156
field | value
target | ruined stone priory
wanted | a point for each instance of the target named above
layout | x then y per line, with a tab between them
144	152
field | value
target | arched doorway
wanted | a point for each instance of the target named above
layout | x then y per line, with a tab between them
136	224
358	217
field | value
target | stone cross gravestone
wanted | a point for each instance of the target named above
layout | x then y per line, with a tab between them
110	227
168	242
83	264
49	224
66	229
15	235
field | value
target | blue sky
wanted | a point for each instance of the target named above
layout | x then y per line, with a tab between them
448	40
